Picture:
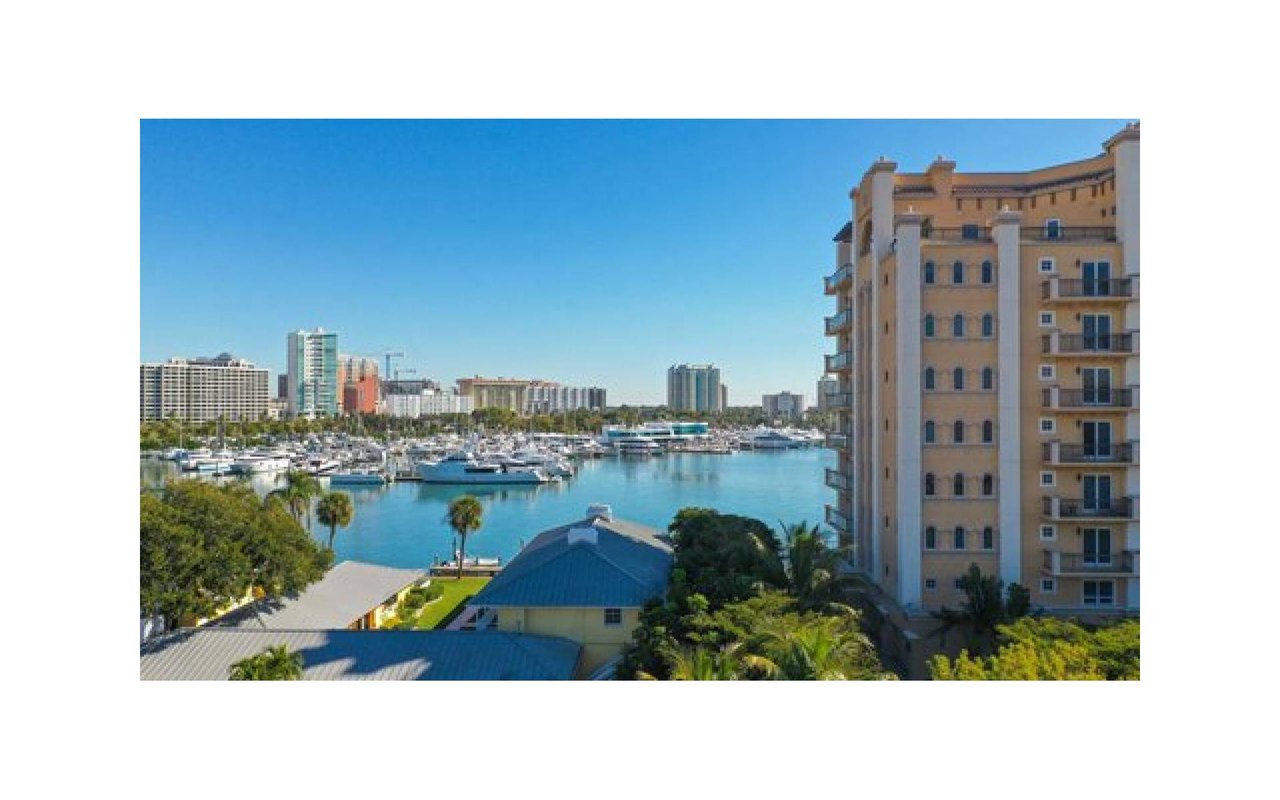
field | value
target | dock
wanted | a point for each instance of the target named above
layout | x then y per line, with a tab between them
468	570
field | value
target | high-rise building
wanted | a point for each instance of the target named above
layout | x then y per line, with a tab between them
282	386
361	396
545	397
508	393
695	387
313	373
827	386
358	384
987	355
203	389
783	404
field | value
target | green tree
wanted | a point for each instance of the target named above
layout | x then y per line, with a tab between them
817	648
336	510
1050	649
465	516
276	663
985	609
724	557
206	546
813	567
297	493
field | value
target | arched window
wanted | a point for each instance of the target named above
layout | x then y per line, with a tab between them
930	433
930	538
988	538
957	538
988	432
929	379
929	276
957	379
929	487
957	485
988	378
957	272
988	485
957	432
928	326
988	326
957	326
987	272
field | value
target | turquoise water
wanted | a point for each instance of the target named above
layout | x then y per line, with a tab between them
402	525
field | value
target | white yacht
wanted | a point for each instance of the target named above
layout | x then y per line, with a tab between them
368	476
462	468
772	440
259	462
638	446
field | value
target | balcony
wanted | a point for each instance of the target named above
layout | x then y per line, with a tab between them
1075	508
964	234
1063	233
1095	290
840	322
838	441
1125	563
838	520
839	480
840	361
1070	453
842	401
1057	397
834	282
1092	344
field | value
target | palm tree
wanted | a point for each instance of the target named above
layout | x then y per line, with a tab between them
335	510
298	490
813	568
275	663
825	649
465	515
984	609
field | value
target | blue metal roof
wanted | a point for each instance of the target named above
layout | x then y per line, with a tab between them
621	566
206	654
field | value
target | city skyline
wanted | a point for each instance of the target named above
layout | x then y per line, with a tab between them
490	247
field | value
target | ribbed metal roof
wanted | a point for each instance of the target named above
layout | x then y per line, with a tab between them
625	565
206	654
347	592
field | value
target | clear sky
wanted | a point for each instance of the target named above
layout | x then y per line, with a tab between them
588	252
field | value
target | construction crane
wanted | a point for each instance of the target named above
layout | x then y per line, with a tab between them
388	355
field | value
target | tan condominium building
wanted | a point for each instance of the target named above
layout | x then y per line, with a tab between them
987	353
202	390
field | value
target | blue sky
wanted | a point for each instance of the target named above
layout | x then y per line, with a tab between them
589	252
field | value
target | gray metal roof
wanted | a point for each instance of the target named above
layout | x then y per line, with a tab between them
625	566
206	654
346	593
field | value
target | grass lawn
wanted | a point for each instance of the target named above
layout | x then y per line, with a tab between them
439	613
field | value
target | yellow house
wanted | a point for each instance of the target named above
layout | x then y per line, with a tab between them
353	595
586	581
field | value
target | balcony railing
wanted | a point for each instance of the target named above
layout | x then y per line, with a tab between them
839	480
1122	563
1064	233
1094	289
1076	508
833	282
1064	343
840	361
838	440
965	233
838	520
1057	397
840	322
1072	453
841	400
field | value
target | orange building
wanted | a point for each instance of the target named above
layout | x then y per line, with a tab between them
361	396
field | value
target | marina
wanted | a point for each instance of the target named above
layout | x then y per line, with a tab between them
401	523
